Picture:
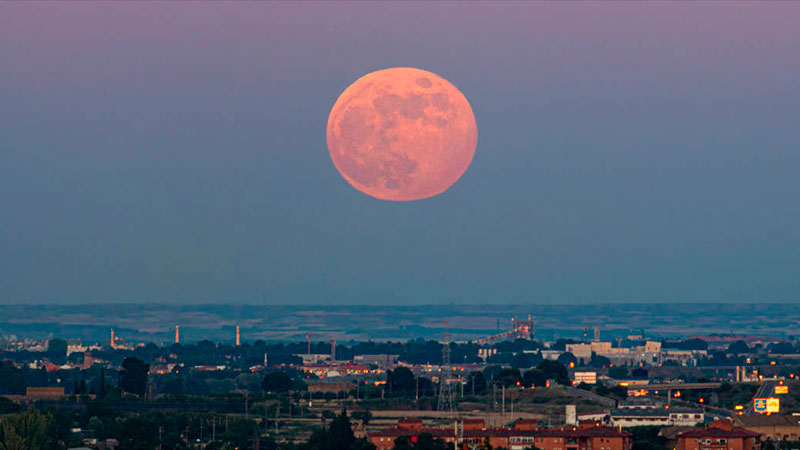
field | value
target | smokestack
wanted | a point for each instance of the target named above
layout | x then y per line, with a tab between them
177	334
237	336
333	349
112	338
596	333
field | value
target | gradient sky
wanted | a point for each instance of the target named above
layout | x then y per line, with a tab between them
176	152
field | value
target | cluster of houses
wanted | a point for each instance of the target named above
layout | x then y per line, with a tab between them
525	433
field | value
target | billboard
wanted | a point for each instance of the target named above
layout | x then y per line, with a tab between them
766	405
782	389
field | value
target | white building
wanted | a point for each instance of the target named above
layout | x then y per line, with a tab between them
585	377
661	417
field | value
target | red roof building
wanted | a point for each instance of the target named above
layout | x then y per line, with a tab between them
590	438
719	436
522	436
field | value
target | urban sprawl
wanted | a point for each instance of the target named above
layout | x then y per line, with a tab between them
506	391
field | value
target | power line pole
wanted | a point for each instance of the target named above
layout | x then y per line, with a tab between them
503	408
445	393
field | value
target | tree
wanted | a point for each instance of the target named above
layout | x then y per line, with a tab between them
277	381
781	347
363	415
401	381
618	372
7	406
426	386
133	377
534	377
738	348
240	433
426	441
619	391
694	344
102	390
508	376
340	434
599	361
647	438
561	344
522	360
57	350
402	443
57	345
554	370
566	358
476	383
12	380
29	430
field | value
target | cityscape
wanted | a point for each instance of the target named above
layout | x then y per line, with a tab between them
519	387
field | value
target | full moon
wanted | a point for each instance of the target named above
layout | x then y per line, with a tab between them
402	134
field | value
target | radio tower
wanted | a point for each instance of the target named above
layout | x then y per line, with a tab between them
445	394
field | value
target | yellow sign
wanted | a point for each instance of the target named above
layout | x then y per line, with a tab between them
773	405
766	405
782	389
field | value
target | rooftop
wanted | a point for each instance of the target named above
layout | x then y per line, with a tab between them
770	420
713	432
506	432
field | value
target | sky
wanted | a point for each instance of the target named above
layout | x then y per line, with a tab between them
175	153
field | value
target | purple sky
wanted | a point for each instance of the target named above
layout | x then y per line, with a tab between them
176	152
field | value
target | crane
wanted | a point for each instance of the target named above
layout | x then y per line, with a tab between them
308	341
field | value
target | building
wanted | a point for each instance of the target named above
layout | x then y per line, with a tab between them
550	355
525	434
378	360
585	377
639	403
776	427
584	351
683	357
590	438
34	393
334	388
719	436
410	428
659	417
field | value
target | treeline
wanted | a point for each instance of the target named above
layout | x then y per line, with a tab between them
51	428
